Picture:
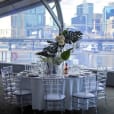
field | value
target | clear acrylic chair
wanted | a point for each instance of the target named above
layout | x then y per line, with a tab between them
8	83
101	83
23	96
86	96
54	93
13	93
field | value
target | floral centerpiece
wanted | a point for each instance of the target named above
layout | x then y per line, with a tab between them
55	53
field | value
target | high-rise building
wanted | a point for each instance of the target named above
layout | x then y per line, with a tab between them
97	23
28	23
108	13
80	10
33	23
84	16
110	27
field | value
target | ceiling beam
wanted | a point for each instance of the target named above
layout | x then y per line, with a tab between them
5	3
9	7
58	18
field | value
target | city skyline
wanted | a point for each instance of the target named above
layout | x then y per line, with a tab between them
68	14
67	10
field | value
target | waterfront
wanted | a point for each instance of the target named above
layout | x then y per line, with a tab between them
89	54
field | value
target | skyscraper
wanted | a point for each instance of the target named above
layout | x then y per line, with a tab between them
84	16
28	23
108	12
97	23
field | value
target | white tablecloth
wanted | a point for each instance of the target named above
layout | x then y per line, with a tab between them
37	93
36	87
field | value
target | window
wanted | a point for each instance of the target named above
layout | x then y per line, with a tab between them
95	20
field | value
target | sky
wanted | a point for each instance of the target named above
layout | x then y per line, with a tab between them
68	10
5	23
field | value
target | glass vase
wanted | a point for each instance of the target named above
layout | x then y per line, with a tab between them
54	69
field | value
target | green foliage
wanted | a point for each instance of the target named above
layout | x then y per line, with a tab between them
50	52
72	37
66	54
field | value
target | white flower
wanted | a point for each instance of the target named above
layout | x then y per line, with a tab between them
60	39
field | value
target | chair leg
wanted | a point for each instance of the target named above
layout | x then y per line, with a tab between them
34	112
45	107
21	102
82	111
96	111
72	111
106	103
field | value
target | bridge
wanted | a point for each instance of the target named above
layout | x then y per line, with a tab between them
97	40
102	43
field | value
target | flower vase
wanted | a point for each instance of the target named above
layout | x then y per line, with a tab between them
55	69
52	68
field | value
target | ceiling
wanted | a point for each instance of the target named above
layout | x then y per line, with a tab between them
8	7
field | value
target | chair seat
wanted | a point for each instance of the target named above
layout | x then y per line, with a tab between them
11	83
100	84
83	95
10	89
54	97
100	88
21	92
